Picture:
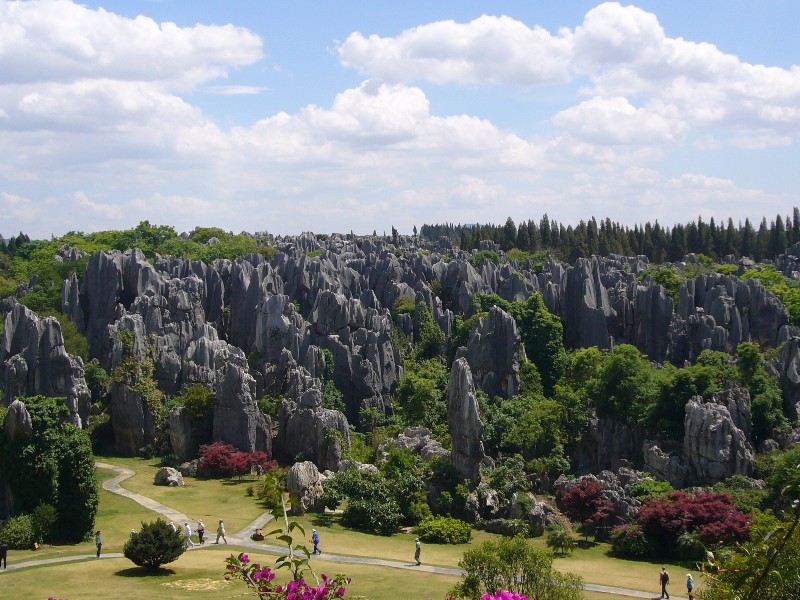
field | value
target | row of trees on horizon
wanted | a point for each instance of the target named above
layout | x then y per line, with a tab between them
660	244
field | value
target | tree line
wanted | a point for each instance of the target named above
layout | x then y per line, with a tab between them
660	244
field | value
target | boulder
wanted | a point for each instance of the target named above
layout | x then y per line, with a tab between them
169	477
189	468
304	485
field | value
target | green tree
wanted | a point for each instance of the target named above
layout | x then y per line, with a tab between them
514	564
155	544
54	465
627	386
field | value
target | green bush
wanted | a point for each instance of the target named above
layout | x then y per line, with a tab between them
43	518
444	530
269	491
629	541
559	539
155	544
476	260
18	532
651	488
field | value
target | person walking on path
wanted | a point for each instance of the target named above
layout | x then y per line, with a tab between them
187	533
221	532
4	553
315	539
418	551
663	579
98	541
689	586
201	531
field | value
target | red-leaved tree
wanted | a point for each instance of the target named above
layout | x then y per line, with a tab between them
224	460
586	503
712	516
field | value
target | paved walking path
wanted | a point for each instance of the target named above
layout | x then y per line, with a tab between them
242	539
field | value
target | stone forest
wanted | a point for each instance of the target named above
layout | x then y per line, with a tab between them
640	388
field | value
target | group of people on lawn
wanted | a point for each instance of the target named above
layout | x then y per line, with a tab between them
201	532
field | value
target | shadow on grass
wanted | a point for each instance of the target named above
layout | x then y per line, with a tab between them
142	572
586	544
323	520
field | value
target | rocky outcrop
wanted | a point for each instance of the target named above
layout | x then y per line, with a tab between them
419	441
132	420
493	353
316	434
715	448
18	421
609	444
169	477
464	422
586	309
237	418
304	485
33	361
181	438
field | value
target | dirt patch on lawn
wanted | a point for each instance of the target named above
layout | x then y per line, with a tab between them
205	584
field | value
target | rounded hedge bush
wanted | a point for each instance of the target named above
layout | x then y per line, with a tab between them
444	530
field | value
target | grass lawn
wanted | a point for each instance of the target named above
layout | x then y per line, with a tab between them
198	573
207	499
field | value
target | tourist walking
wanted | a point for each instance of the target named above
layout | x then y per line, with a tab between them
98	541
201	531
315	539
221	532
689	586
418	551
187	533
3	553
172	526
663	579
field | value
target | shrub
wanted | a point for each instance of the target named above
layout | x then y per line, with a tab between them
476	260
269	491
586	503
224	460
18	532
651	488
559	538
629	541
514	564
155	544
43	518
712	516
444	530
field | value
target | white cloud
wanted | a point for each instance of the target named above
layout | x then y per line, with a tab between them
60	41
487	50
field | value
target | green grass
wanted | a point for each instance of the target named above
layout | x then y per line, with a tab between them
198	573
207	499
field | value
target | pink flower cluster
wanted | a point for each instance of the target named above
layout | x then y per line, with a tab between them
503	595
260	580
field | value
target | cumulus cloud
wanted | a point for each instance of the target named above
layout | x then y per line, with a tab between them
622	52
60	41
486	50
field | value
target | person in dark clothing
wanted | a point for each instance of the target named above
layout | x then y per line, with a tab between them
663	579
98	541
3	553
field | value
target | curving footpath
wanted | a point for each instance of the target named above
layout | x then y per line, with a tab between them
242	539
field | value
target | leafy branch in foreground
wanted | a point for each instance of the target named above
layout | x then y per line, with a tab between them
260	579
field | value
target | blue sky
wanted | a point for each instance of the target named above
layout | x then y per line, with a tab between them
293	116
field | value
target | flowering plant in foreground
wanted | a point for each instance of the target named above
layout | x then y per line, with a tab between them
261	580
503	595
